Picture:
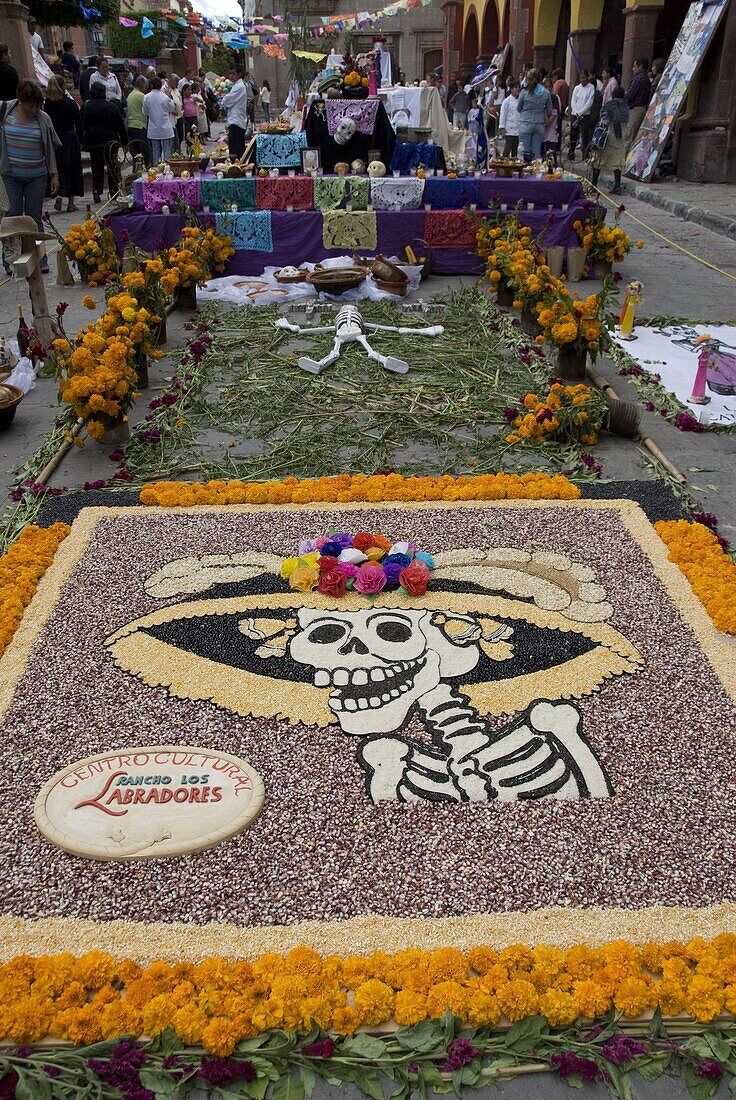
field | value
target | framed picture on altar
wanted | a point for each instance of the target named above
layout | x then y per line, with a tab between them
373	154
311	159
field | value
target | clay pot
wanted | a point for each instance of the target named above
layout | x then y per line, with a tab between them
529	323
383	269
505	295
624	418
118	431
186	299
571	364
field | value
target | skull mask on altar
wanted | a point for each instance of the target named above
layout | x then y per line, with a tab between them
345	131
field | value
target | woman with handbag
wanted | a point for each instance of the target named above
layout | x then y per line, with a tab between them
28	144
609	140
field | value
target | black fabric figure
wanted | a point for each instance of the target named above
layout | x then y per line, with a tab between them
359	145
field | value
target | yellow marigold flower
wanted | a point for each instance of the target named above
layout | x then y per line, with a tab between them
592	1000
704	999
221	1036
517	999
346	1020
632	997
482	959
410	1007
374	1001
445	995
560	1008
447	963
88	302
483	1010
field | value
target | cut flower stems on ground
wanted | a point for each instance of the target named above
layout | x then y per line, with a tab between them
273	419
434	1056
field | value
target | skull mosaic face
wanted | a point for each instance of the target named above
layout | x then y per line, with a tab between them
345	131
378	663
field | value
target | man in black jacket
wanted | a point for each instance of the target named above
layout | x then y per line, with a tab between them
103	131
638	96
70	62
8	74
85	79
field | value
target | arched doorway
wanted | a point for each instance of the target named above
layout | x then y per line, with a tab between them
563	31
489	39
471	41
432	63
611	38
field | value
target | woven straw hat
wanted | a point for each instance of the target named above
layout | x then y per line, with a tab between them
22	226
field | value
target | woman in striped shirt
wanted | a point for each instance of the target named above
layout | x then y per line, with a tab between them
27	154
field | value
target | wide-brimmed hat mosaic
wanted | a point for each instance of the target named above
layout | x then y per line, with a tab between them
538	746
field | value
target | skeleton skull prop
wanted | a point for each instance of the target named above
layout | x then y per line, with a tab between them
345	130
376	169
379	662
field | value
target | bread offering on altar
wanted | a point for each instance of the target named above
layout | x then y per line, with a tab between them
290	274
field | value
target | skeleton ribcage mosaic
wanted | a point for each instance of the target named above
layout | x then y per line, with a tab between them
504	633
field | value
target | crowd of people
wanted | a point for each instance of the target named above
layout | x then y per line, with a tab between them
529	113
86	107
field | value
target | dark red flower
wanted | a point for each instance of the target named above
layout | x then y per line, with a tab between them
570	1064
323	1049
710	1069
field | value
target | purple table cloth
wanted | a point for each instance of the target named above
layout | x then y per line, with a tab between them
538	191
297	238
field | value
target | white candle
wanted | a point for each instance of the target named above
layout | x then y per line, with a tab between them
428	206
292	172
396	174
289	209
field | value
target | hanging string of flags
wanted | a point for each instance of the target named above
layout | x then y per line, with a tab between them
269	35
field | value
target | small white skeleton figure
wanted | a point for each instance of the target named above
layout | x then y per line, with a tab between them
349	328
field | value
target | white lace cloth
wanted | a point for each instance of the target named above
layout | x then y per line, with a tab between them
263	290
405	193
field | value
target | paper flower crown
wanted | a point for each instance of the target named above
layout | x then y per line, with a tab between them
367	563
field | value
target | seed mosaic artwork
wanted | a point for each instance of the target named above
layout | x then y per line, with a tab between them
496	759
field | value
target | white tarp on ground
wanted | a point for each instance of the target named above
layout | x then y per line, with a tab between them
672	353
262	290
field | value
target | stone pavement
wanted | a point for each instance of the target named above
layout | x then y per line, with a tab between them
712	205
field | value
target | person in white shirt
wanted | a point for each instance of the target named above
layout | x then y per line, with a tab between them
172	89
266	100
581	103
158	108
188	78
236	105
108	80
35	38
508	122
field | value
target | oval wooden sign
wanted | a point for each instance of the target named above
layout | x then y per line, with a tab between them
145	803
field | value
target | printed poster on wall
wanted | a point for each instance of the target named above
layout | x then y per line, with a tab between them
696	34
